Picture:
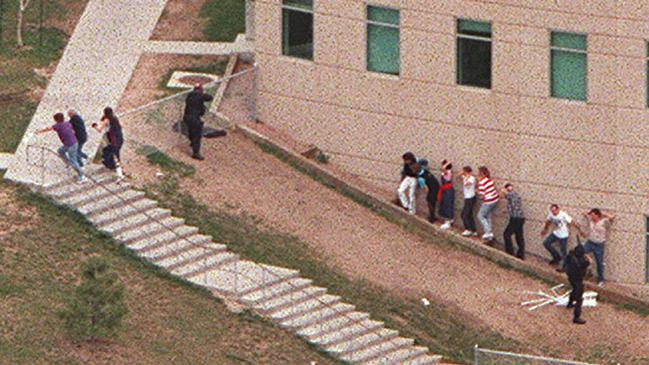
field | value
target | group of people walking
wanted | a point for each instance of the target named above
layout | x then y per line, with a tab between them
73	135
416	175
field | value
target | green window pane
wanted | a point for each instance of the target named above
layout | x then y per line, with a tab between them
471	27
302	4
297	34
383	15
568	40
474	62
568	75
383	49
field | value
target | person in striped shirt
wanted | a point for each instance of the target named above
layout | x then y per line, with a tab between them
489	195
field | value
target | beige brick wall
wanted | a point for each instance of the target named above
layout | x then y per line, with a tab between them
577	154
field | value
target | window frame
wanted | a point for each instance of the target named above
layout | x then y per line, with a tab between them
369	22
301	10
459	35
563	49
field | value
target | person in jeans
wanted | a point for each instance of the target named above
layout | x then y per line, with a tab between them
80	132
446	195
561	222
576	268
489	196
408	183
516	222
69	151
426	178
468	188
599	225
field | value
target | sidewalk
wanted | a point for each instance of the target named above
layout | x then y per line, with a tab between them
92	74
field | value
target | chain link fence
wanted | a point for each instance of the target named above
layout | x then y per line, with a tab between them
492	357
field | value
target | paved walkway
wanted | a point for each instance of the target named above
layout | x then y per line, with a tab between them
240	45
5	160
94	71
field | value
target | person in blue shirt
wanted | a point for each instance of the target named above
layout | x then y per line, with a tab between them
80	132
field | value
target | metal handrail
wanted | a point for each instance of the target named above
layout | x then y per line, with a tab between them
265	271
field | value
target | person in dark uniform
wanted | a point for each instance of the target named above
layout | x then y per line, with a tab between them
576	269
194	110
80	132
430	181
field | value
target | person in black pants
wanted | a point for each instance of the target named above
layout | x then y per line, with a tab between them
468	188
516	222
425	177
80	131
194	110
577	264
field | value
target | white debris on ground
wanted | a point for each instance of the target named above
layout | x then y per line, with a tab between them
425	302
556	298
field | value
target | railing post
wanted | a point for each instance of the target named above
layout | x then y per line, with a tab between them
476	355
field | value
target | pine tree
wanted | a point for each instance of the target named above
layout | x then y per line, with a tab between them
97	307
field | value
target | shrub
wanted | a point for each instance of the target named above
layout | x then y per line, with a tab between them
97	307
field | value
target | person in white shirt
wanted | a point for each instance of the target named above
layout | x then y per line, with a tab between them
561	222
468	187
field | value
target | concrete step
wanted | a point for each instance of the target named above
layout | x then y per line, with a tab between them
362	342
318	316
332	324
289	299
378	350
193	254
180	246
398	356
185	233
305	307
110	202
89	170
275	291
422	359
243	277
135	221
150	229
344	334
72	188
112	215
94	193
214	261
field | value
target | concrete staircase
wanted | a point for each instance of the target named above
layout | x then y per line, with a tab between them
278	294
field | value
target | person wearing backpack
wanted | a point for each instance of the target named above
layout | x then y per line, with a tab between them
428	180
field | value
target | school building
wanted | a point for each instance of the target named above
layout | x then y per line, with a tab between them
551	95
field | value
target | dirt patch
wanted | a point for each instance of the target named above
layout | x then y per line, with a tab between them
193	80
180	20
14	215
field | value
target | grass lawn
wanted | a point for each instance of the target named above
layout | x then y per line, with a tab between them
443	330
225	19
18	78
169	321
